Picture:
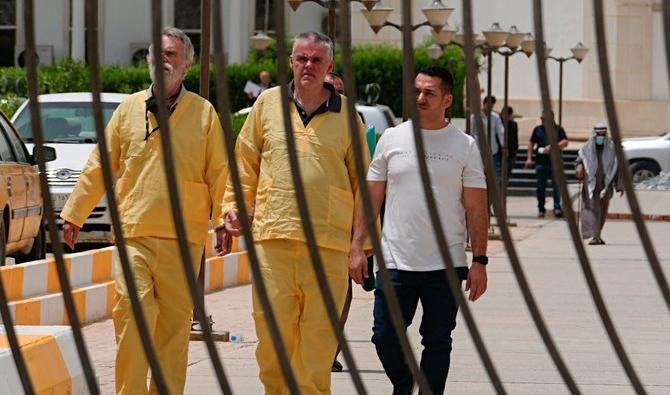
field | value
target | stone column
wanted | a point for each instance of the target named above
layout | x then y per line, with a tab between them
628	24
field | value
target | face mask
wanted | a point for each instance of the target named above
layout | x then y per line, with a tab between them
600	140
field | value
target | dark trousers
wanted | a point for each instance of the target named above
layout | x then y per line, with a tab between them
543	173
437	323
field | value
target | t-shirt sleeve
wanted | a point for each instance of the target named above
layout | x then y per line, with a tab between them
379	165
473	172
561	134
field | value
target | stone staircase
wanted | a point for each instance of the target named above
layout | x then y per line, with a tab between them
523	182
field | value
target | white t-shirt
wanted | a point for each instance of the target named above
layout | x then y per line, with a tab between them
408	240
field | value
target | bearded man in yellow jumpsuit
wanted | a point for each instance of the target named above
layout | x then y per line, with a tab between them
319	117
133	137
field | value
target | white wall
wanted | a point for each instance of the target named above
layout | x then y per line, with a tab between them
50	19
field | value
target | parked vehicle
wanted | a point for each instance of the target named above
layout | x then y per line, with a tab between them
20	196
68	124
647	156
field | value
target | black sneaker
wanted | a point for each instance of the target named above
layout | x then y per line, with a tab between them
558	213
337	366
541	214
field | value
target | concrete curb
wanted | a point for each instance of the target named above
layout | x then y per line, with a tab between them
36	298
51	358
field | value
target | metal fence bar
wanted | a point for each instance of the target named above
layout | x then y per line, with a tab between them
301	199
175	203
66	288
613	119
559	173
371	222
107	177
501	215
259	282
440	236
8	323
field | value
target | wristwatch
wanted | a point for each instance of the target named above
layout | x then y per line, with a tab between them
481	259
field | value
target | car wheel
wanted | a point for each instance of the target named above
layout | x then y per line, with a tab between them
39	248
643	170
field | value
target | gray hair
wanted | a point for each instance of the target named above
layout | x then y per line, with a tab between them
318	38
189	51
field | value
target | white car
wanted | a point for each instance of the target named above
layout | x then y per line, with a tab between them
647	156
68	126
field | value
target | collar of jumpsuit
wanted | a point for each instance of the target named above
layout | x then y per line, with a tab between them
334	103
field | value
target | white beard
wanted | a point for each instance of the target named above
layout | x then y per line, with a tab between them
170	73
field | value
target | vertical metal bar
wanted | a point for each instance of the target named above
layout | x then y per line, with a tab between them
8	323
505	149
332	19
371	222
63	278
103	149
559	174
452	276
657	269
301	199
205	38
259	283
472	73
175	202
560	91
205	33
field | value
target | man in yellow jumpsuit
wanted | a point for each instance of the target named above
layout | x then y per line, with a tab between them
133	137
325	154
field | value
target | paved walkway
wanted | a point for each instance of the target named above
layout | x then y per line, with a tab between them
553	271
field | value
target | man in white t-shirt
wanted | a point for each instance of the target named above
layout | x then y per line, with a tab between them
409	246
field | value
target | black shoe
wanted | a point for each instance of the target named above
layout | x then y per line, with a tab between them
337	366
541	214
558	213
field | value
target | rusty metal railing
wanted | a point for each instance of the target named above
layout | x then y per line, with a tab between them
63	279
559	173
301	200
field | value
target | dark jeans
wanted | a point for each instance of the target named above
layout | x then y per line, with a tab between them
439	319
543	173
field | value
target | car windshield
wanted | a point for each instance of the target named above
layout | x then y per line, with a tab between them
64	122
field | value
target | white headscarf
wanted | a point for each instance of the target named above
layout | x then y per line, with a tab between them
589	155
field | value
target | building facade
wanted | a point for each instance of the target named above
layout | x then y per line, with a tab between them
634	27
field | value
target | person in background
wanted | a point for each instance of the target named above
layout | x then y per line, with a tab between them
507	117
598	167
265	82
496	136
539	147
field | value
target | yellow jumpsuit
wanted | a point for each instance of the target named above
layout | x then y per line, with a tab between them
141	192
327	164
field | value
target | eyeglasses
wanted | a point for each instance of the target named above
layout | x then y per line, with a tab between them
302	59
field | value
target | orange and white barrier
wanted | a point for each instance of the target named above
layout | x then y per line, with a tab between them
51	359
35	297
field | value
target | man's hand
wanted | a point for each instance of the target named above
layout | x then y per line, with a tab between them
476	282
70	234
232	224
224	242
529	163
579	172
358	265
